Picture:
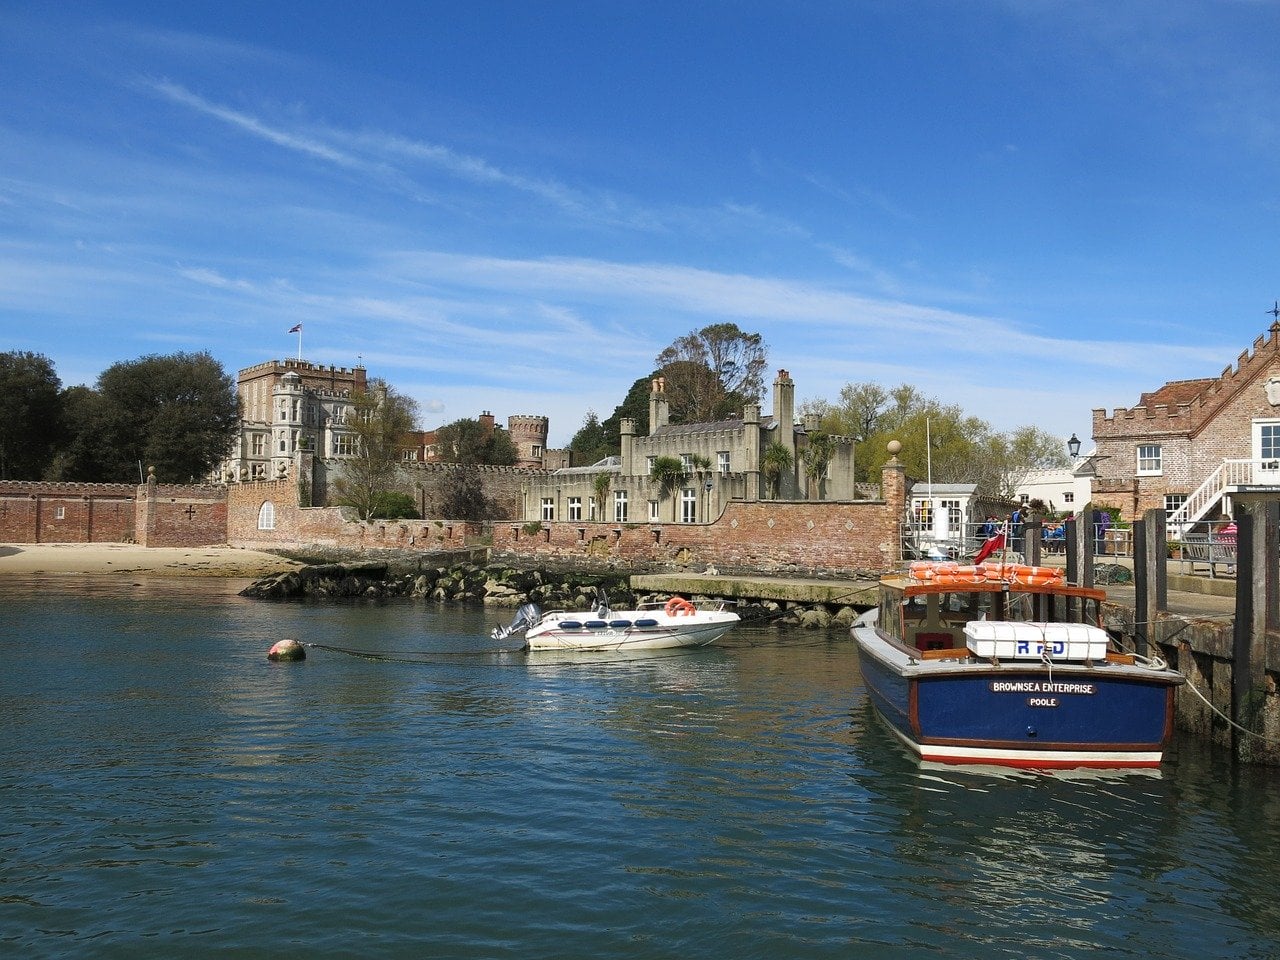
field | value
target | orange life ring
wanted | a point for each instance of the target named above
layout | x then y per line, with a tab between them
678	606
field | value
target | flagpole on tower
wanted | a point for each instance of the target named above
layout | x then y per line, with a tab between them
297	328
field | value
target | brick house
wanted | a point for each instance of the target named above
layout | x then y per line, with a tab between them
1187	446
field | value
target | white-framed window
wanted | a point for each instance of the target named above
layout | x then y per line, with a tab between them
653	511
575	508
1068	497
536	451
1149	459
722	461
648	465
343	445
620	506
686	461
1173	502
267	516
688	505
953	513
592	509
924	513
259	446
60	513
548	508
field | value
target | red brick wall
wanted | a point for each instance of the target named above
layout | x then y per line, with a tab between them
173	515
325	526
90	512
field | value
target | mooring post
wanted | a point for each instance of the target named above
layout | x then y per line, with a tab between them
1242	645
1141	581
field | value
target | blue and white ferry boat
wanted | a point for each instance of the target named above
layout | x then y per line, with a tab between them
1008	665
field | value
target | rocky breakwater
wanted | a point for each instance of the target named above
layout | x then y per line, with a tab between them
499	585
492	584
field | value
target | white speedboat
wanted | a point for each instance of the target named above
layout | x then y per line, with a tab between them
651	626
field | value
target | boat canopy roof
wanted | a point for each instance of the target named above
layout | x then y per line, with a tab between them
914	588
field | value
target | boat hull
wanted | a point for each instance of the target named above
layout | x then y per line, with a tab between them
654	632
1020	714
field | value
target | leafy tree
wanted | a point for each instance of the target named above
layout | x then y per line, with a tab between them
178	413
472	442
634	406
462	495
817	455
30	396
381	421
712	372
774	462
600	484
590	444
395	505
670	475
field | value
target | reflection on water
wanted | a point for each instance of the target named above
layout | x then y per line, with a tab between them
167	791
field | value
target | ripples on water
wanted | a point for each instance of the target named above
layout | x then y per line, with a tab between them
167	792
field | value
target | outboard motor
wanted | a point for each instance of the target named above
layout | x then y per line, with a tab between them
602	604
526	616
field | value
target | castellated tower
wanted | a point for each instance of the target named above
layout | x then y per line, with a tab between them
529	434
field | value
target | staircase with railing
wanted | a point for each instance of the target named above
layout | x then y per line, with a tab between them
1230	473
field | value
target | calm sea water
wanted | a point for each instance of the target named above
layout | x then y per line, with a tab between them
167	792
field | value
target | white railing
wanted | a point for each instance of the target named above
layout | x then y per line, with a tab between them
1230	473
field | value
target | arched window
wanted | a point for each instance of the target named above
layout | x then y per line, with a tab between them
267	516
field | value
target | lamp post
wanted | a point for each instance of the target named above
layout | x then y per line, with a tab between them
707	508
1073	446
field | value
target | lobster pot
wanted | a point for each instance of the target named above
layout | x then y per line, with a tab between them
1029	641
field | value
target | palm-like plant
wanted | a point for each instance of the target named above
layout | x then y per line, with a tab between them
669	474
776	459
817	457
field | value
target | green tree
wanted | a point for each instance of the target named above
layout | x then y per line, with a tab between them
382	422
774	462
590	444
462	494
470	441
670	475
600	484
710	373
395	505
817	455
634	406
31	398
178	413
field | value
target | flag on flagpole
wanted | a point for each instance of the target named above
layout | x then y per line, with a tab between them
296	328
991	545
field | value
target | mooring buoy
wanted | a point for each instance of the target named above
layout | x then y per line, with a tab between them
287	650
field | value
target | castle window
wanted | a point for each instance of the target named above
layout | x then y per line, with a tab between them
536	451
1149	459
688	505
686	461
267	516
548	509
653	511
620	506
259	447
1068	497
722	461
575	508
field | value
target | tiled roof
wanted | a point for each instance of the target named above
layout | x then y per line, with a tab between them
1175	392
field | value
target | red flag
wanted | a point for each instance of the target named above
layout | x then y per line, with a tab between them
991	546
296	328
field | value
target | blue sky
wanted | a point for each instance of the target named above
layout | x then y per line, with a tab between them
1025	207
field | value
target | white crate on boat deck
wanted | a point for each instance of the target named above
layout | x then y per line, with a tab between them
1010	640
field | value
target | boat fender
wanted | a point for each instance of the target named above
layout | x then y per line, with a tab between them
679	606
287	649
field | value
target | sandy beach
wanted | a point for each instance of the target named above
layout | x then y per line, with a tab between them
113	558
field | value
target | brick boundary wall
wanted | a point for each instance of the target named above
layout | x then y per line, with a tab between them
38	512
181	515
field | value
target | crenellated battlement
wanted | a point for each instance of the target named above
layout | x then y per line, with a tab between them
300	366
1205	396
